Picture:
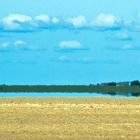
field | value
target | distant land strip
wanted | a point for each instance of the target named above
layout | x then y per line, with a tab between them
71	88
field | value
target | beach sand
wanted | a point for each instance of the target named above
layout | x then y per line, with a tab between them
69	119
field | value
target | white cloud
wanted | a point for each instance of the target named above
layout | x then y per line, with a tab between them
62	58
128	47
19	43
22	45
138	15
76	21
43	18
85	59
123	36
106	20
70	44
5	45
124	47
55	20
45	21
20	22
13	21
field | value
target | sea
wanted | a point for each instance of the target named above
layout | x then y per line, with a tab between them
62	94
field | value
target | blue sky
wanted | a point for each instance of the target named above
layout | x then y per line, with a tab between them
69	42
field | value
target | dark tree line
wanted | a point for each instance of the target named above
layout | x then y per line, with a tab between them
135	83
132	83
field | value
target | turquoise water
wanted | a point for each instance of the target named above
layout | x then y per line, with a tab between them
46	94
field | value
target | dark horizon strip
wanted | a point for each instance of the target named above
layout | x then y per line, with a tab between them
70	88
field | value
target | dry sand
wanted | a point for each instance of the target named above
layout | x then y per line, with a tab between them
69	119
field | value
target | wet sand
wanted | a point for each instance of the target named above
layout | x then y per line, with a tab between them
69	119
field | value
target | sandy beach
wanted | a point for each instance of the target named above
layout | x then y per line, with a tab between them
69	119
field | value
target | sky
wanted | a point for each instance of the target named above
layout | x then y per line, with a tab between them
63	42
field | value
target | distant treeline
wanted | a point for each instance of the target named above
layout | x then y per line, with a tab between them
132	83
110	87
